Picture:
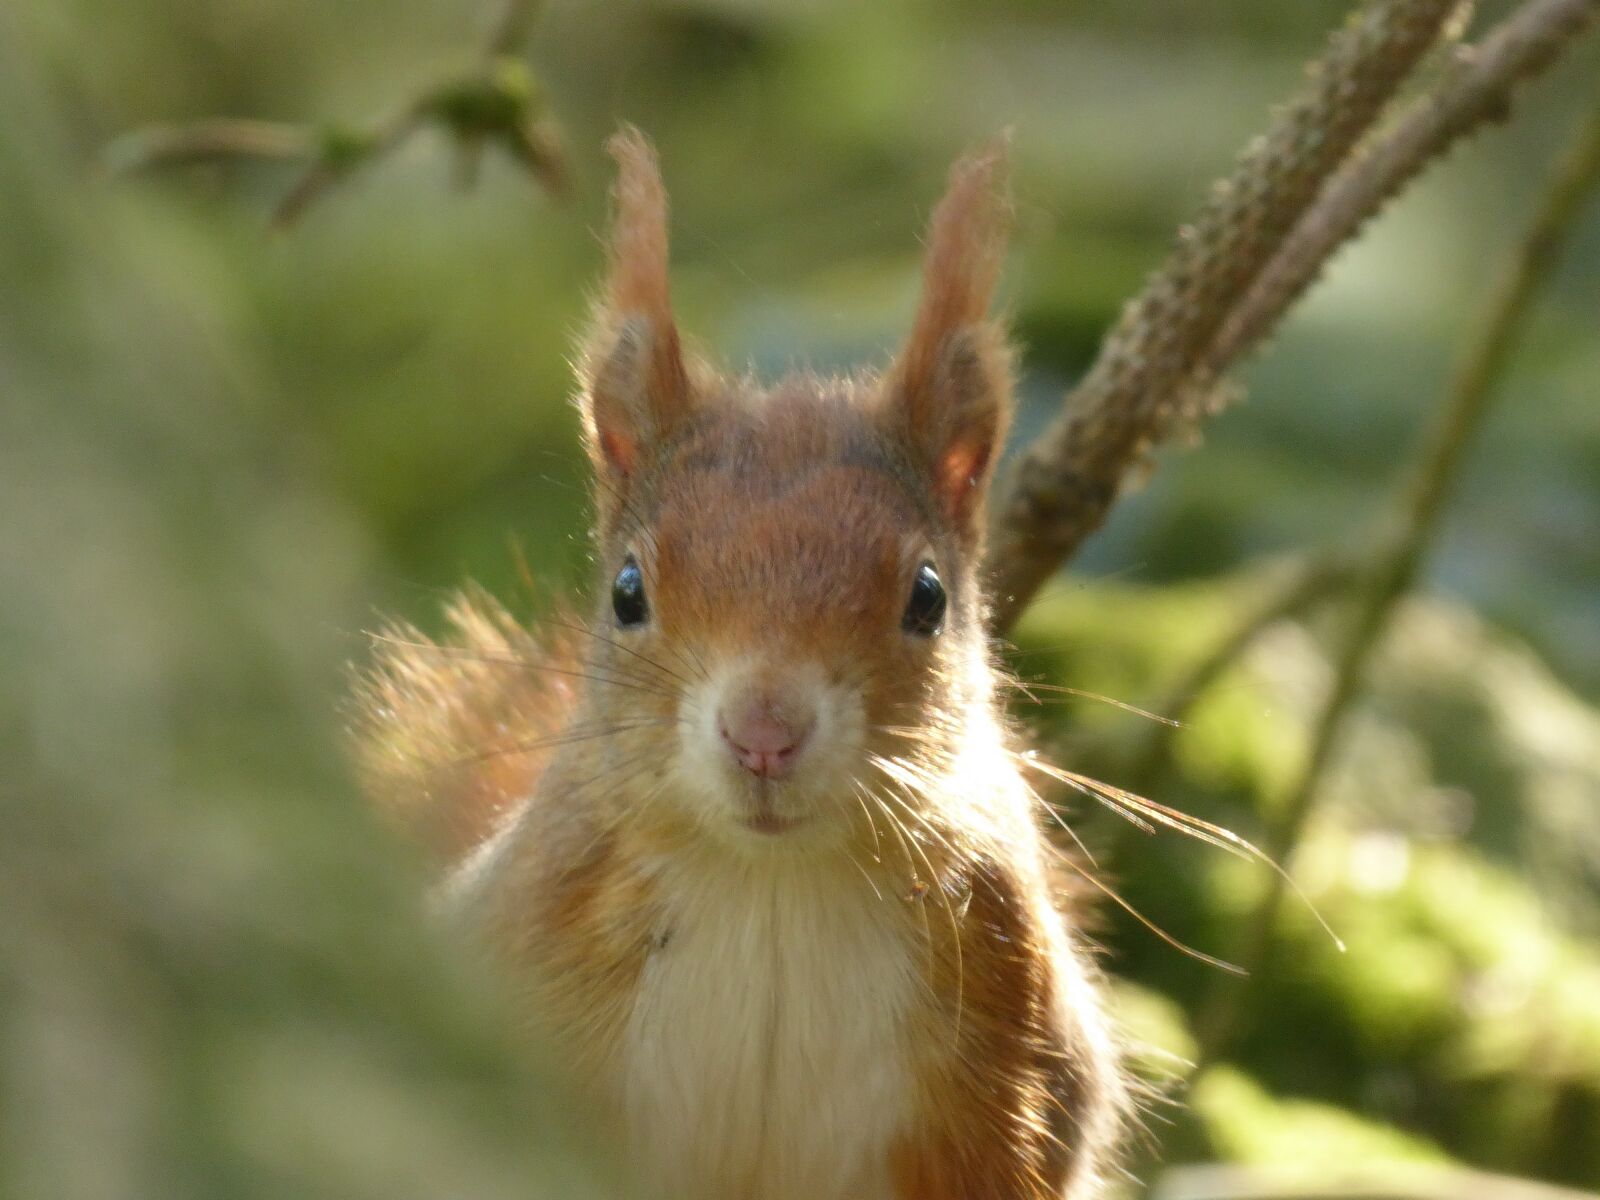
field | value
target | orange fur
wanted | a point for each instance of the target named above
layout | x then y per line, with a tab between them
1012	1106
636	381
966	246
452	736
951	381
638	282
852	984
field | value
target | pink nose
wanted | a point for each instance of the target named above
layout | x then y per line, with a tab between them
763	737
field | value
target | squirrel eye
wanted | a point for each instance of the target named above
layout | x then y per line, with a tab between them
925	609
627	594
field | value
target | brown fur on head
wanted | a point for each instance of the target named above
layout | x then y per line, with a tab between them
777	533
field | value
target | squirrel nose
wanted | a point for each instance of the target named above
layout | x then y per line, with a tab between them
764	737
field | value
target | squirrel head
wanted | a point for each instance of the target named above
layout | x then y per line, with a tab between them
789	573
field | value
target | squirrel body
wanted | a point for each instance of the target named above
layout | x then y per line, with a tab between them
751	840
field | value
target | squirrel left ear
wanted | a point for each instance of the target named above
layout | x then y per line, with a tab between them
949	392
635	385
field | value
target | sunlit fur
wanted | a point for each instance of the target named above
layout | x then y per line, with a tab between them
850	982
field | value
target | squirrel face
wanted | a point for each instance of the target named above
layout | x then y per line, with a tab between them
796	565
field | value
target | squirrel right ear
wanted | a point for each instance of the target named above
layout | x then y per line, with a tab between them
949	392
635	387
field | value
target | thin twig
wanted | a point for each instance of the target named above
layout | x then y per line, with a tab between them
511	30
1420	507
1143	384
201	141
338	155
498	103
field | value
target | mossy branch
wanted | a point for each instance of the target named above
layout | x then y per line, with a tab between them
1297	194
497	103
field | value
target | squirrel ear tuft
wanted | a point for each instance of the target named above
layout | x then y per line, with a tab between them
950	390
635	386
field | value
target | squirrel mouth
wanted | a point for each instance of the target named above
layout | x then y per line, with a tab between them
763	817
761	809
770	823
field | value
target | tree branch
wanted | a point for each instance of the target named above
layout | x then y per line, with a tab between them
204	141
1157	368
1420	508
1476	90
497	103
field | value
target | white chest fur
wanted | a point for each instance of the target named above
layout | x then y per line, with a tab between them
765	1057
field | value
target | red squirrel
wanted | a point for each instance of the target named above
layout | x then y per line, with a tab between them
751	841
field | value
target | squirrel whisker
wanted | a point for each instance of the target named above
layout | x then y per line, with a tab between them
1127	804
506	660
1116	898
628	650
564	738
937	881
1068	694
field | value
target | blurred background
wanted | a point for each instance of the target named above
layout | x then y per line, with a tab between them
224	450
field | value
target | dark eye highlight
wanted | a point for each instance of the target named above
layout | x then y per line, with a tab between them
627	595
924	614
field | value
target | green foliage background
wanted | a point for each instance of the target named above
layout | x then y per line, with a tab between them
221	451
